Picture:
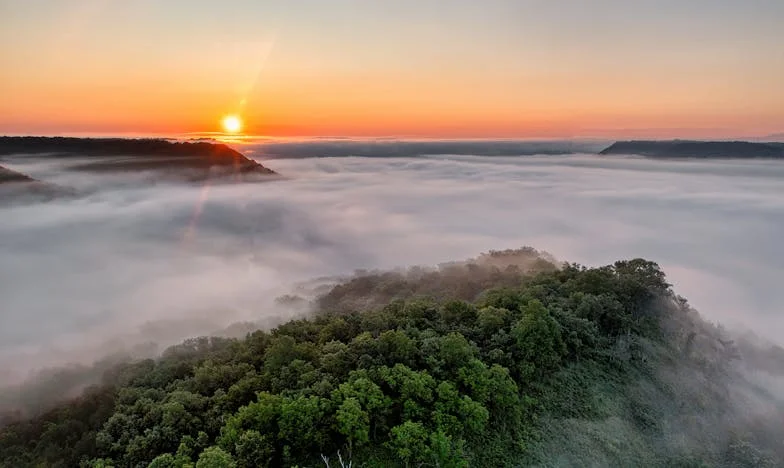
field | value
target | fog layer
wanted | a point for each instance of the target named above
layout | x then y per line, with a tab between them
134	263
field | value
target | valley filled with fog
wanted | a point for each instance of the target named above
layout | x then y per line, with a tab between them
136	265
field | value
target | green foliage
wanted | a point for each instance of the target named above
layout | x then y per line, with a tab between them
538	346
166	460
303	423
409	441
467	365
253	450
353	422
446	452
261	415
215	457
492	319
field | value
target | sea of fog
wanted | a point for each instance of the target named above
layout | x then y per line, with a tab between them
134	263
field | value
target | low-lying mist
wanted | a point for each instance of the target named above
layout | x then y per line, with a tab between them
391	147
134	266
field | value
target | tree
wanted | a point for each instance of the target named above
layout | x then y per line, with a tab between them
538	343
215	457
493	387
455	350
303	423
254	450
336	358
491	319
261	415
456	415
415	389
353	423
396	347
368	394
107	463
502	298
166	460
606	312
644	272
446	452
281	351
458	312
409	441
211	376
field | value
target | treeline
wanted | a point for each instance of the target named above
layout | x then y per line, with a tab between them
71	146
484	363
698	149
203	159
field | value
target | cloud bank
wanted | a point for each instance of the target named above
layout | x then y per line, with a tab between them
392	147
135	263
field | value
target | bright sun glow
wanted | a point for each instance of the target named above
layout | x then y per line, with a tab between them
232	124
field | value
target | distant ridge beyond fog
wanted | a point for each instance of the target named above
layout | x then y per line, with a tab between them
147	154
697	149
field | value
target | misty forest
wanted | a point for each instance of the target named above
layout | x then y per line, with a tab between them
507	359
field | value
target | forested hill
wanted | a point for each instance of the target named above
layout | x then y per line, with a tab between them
141	154
697	149
505	360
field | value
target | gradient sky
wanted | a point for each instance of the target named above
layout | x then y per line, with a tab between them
421	68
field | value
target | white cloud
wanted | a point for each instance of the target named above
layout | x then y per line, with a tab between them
77	275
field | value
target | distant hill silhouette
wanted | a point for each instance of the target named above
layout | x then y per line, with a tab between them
697	149
15	185
8	176
202	159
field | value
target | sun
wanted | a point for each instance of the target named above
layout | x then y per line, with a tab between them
232	124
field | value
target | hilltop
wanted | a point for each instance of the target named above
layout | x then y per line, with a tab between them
200	159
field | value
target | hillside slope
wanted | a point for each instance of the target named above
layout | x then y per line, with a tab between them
199	159
480	363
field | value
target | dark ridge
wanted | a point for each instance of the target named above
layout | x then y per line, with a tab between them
15	186
139	154
697	149
9	176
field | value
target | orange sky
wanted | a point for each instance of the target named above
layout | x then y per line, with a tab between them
507	69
